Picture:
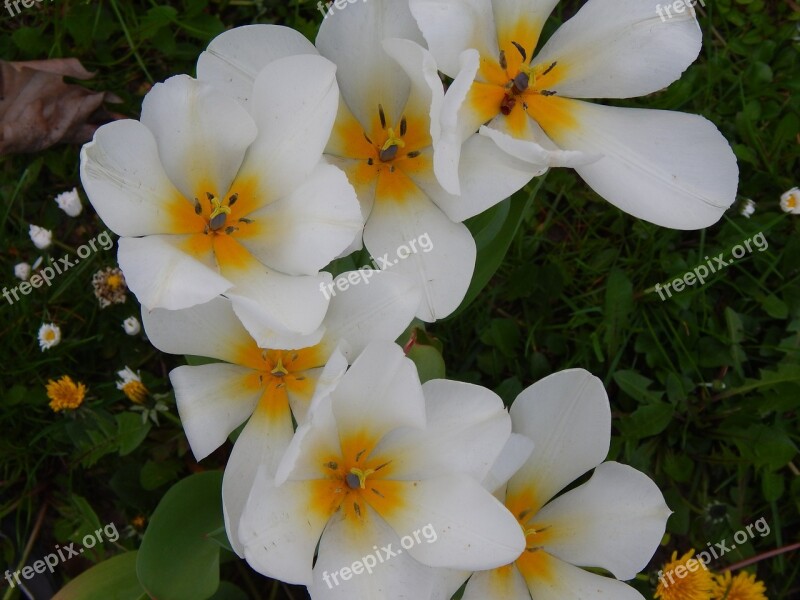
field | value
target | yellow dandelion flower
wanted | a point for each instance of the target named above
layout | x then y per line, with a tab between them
684	578
65	394
131	385
742	587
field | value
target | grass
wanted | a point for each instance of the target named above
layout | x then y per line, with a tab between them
705	386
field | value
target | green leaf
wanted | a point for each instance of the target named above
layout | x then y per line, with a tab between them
177	560
647	420
114	579
618	308
429	361
494	230
155	474
131	431
636	385
772	485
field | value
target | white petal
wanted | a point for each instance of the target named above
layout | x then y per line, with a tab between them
505	583
260	446
427	91
202	134
622	52
348	544
376	305
212	400
209	329
280	529
279	311
521	21
126	183
353	39
552	579
487	175
672	169
444	272
473	530
306	230
538	157
379	393
614	521
294	103
234	58
162	275
568	417
467	428
452	26
515	453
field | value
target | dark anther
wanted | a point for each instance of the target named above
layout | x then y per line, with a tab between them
550	68
229	230
332	465
197	208
503	61
521	51
360	454
382	115
370	162
209	195
245	221
366	137
413	154
232	200
547	93
403	126
357	508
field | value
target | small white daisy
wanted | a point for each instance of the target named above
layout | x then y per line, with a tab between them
748	207
40	236
22	271
70	202
132	326
131	385
790	201
49	336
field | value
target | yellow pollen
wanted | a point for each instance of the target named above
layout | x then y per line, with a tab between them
393	141
362	476
695	584
65	394
135	391
791	202
742	587
114	281
49	335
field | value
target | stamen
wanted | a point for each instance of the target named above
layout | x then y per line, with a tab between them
521	51
391	146
219	213
197	208
370	162
413	154
332	465
521	82
403	126
367	137
550	68
232	200
382	116
548	93
503	60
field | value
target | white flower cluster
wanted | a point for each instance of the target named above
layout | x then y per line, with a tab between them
236	189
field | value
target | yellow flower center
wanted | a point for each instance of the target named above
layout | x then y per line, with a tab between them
49	335
791	202
114	281
742	587
135	391
65	394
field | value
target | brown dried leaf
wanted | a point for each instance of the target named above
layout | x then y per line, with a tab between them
37	109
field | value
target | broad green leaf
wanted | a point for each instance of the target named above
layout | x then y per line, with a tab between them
113	579
177	560
131	431
429	361
647	420
636	385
